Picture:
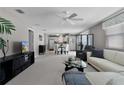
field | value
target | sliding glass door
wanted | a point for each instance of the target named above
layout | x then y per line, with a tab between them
90	40
78	43
84	40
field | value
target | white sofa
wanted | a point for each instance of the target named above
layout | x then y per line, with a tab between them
113	61
105	78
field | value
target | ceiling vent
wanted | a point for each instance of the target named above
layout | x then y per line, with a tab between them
20	11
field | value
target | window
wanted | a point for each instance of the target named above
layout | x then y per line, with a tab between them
84	40
115	41
115	37
90	40
78	42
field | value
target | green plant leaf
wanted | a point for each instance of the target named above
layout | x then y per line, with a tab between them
6	26
2	43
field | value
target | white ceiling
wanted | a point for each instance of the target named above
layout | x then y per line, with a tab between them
45	17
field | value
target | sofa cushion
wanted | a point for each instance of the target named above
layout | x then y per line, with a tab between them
119	58
118	80
100	78
97	53
106	65
109	54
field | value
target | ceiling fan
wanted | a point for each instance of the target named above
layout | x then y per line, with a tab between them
69	17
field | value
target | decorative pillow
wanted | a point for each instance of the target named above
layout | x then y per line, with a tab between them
97	53
116	81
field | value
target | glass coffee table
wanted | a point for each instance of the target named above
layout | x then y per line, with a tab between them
80	65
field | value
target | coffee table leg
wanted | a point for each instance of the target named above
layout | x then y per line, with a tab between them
81	69
68	68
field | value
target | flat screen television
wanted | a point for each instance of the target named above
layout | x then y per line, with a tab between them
25	46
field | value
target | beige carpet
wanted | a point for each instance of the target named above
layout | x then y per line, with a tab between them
47	70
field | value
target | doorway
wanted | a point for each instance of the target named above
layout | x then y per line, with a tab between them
51	44
31	40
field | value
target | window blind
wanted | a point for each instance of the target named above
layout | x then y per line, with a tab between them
115	36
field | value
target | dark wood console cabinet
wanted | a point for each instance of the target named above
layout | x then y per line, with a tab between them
41	49
11	66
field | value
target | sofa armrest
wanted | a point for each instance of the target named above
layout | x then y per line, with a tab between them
88	55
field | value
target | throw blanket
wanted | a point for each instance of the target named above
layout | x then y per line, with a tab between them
75	78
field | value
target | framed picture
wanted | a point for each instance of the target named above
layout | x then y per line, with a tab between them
25	46
40	37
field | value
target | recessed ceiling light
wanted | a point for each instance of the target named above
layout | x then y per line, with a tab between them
20	11
43	29
37	24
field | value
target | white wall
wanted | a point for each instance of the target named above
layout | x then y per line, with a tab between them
21	33
99	36
85	32
37	42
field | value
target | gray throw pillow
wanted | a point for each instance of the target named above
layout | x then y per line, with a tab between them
97	53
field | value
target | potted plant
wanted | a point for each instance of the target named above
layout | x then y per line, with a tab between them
5	28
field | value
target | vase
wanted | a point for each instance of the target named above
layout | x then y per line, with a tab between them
4	51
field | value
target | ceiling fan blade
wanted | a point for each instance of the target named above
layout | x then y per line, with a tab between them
58	15
69	21
77	19
72	15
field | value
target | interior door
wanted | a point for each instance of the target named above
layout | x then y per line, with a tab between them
51	44
31	40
